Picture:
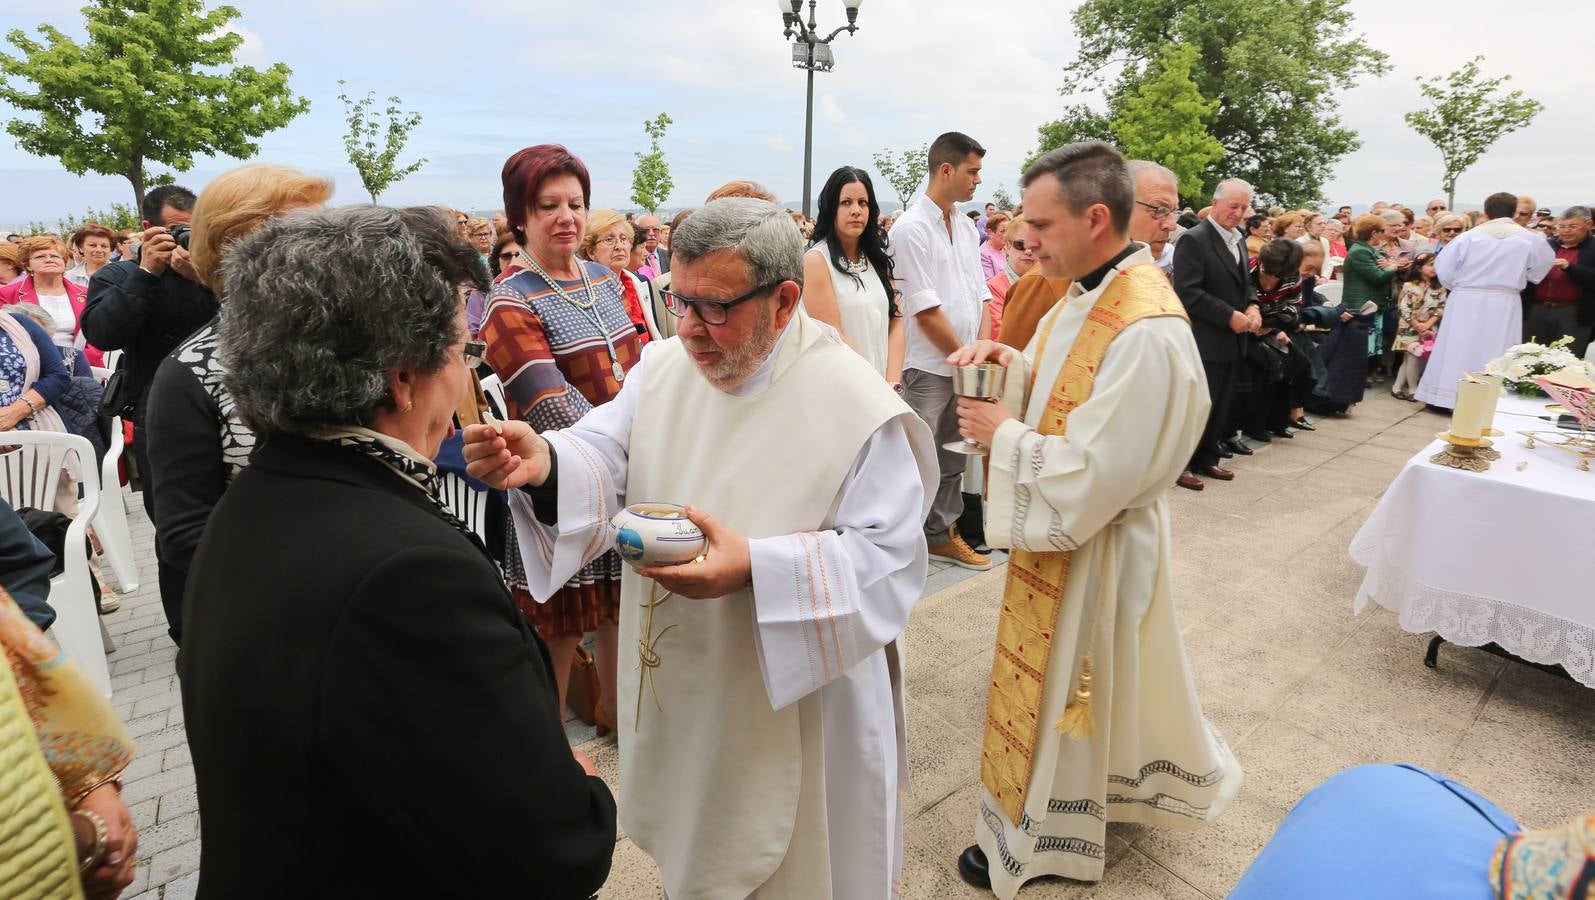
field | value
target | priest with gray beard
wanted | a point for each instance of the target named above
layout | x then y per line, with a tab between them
762	743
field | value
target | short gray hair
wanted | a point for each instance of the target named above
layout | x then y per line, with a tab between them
321	306
1393	216
1138	167
1088	172
1229	185
1576	212
762	233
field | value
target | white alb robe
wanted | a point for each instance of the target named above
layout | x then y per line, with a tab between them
1099	490
874	572
1485	270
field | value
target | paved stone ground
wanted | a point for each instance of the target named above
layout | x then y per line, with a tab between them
1300	687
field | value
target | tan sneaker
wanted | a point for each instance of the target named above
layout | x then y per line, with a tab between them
959	553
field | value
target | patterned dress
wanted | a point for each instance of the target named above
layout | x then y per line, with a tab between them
555	366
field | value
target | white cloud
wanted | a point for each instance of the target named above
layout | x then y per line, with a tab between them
776	142
252	52
831	111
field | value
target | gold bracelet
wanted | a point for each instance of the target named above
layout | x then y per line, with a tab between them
102	840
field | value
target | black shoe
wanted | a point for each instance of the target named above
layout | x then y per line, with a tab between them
1236	447
972	867
1260	437
1224	452
1303	425
1281	433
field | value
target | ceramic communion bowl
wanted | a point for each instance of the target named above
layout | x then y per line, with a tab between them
657	534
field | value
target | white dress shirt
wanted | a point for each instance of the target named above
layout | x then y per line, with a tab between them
1231	236
932	270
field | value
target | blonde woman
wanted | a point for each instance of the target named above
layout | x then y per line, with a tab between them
610	241
197	442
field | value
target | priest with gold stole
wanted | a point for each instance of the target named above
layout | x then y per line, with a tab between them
1092	714
761	727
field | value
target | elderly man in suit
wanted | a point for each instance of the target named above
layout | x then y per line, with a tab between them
1210	276
1563	302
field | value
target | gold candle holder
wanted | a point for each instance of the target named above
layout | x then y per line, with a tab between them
1465	453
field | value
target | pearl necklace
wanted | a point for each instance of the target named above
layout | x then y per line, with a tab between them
585	306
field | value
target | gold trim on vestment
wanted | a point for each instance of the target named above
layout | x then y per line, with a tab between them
1033	595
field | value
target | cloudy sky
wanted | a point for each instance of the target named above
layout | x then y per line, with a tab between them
492	77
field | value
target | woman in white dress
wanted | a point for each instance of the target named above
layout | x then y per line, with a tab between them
847	274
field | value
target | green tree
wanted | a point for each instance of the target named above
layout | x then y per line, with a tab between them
1002	198
904	170
1165	120
1275	66
1465	117
1078	123
379	168
651	183
151	84
120	217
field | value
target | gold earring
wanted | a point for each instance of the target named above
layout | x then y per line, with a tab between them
409	406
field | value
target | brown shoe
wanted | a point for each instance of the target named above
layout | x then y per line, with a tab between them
1219	472
959	553
1190	482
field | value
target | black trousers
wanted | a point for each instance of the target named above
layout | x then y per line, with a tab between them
170	577
1221	390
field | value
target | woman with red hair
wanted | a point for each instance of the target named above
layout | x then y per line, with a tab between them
560	339
44	259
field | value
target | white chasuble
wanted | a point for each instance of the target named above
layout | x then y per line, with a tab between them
1098	492
761	733
1486	269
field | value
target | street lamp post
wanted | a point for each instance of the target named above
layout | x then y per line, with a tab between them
813	53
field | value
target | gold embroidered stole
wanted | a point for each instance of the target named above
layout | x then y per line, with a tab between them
1033	595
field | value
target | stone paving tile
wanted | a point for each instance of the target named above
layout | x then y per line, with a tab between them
1299	686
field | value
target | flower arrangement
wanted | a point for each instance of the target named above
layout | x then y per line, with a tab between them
1522	363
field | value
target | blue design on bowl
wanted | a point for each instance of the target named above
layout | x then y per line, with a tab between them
629	543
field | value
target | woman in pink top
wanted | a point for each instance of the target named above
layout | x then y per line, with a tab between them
991	252
44	260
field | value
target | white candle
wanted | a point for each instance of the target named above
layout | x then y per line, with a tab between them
1471	415
1495	398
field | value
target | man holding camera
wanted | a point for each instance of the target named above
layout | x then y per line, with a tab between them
145	308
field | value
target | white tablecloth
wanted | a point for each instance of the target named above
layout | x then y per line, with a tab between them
1501	556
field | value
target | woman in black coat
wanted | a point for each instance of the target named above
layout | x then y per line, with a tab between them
369	714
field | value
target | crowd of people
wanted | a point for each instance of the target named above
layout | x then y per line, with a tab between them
293	374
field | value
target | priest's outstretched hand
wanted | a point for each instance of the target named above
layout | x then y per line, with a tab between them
982	352
726	567
509	459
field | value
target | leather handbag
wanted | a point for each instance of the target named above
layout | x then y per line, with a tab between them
584	692
115	400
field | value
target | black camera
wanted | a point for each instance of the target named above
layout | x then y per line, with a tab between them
180	234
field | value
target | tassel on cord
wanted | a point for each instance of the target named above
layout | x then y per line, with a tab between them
1076	724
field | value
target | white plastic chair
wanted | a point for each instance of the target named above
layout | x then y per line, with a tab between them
494	389
30	473
116	539
1331	291
469	506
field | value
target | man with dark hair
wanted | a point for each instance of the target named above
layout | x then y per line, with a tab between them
1103	410
1564	302
1486	270
145	307
1210	275
936	256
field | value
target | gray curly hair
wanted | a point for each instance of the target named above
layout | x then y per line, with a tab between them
758	230
321	306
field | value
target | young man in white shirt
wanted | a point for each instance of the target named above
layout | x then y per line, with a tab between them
936	257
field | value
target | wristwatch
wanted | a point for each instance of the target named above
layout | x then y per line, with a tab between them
898	387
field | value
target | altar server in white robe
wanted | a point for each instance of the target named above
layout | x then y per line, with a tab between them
1092	712
1485	270
761	731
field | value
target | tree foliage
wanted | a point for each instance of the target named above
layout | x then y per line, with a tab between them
1002	198
379	168
1465	117
904	170
1275	66
1078	123
152	83
1165	120
651	183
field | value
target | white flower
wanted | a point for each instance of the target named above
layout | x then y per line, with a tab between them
1517	372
